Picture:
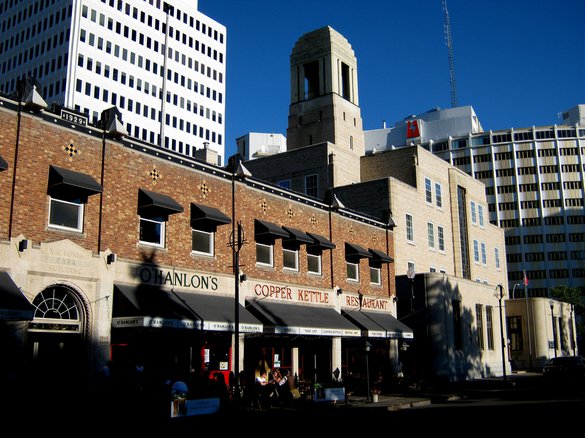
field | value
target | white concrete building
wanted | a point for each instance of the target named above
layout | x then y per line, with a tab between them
534	181
92	55
260	144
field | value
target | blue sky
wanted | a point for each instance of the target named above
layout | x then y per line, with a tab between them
517	62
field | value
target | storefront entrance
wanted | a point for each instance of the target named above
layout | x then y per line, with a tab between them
57	346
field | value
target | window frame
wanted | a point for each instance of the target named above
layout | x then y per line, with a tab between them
318	257
409	228
378	271
162	232
211	241
295	256
428	191
80	213
270	247
348	265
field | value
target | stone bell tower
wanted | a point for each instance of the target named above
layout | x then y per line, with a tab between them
324	94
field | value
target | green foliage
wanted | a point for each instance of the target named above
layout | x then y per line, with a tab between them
570	295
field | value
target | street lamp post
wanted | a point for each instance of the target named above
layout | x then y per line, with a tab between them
236	242
411	274
367	351
514	290
500	295
552	317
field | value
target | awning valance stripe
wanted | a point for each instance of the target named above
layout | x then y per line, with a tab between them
296	319
378	324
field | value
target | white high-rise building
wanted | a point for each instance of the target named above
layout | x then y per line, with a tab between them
534	181
90	55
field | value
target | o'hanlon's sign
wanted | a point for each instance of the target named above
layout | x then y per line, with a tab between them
290	293
353	302
163	277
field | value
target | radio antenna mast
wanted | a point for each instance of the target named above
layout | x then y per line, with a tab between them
449	43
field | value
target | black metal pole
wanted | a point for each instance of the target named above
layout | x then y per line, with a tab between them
367	350
503	341
554	335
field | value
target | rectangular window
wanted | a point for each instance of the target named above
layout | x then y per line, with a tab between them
480	214
431	235
457	328
489	327
441	237
497	257
479	319
353	271
284	183
476	251
483	254
409	228
66	215
312	185
428	191
438	195
375	275
264	254
515	333
313	263
473	213
202	242
152	231
290	258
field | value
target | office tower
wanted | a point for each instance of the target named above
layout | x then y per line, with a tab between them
89	56
533	179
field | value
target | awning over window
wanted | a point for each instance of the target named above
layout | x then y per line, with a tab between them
60	178
13	304
3	164
149	306
268	230
156	203
380	257
321	241
354	250
297	236
202	214
218	313
378	324
296	319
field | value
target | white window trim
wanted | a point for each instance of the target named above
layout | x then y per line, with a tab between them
411	241
318	257
473	213
379	271
476	255
483	253
429	191
296	258
357	271
431	242
440	187
442	251
211	235
161	243
271	247
81	209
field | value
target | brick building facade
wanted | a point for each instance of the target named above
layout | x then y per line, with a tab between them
124	252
